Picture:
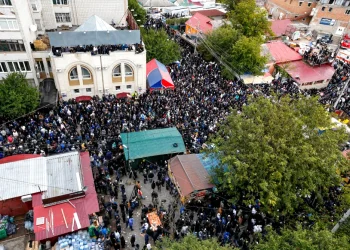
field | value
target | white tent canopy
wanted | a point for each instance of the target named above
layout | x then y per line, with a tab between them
94	23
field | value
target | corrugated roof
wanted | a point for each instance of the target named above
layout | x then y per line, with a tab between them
200	23
23	177
83	207
281	53
156	3
304	73
63	174
279	27
190	173
94	23
152	142
209	13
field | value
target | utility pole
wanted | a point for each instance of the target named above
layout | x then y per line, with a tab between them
342	92
342	220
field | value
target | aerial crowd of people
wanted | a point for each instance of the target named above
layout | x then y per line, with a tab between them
202	98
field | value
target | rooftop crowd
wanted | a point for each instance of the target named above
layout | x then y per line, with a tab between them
202	98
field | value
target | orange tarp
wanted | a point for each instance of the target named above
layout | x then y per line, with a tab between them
154	220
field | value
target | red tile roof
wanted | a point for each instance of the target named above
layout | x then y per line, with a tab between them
20	157
83	207
209	13
281	53
303	73
200	22
279	27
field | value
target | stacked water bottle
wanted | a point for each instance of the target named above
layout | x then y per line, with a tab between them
79	241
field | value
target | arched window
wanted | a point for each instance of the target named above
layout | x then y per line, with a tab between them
85	73
73	75
117	71
128	70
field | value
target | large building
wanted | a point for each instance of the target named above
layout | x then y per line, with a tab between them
332	16
25	47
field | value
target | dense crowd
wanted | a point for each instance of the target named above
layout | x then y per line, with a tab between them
202	99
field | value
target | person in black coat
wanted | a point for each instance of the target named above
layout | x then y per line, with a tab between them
153	185
122	241
132	240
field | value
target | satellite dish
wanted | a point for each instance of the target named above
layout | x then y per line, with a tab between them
33	28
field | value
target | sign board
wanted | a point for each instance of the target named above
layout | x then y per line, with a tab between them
327	21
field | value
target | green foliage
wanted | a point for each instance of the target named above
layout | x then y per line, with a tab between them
231	4
245	56
139	12
177	21
250	19
273	149
159	46
220	40
314	239
189	243
17	97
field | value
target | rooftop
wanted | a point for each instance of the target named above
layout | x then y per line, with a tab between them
152	142
200	22
281	53
94	23
279	27
209	13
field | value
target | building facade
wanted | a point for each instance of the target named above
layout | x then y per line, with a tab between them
302	10
25	22
332	17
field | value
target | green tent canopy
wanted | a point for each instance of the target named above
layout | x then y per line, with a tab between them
152	143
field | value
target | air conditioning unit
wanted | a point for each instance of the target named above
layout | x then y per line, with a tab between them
26	198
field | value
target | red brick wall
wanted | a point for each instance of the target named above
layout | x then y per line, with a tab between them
338	12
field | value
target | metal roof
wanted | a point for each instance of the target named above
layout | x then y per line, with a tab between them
76	38
63	174
57	175
23	177
152	142
94	23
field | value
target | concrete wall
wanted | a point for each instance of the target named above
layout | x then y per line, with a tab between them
290	8
342	21
102	76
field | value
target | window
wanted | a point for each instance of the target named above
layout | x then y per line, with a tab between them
11	45
309	4
347	12
62	17
300	3
40	65
117	87
323	8
62	2
85	73
16	66
34	7
38	24
8	24
330	9
49	65
5	2
128	86
73	74
88	90
76	91
117	71
128	70
3	67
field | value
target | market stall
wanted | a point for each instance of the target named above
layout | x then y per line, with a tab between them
154	220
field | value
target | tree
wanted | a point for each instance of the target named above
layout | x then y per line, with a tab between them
300	238
159	46
17	97
219	40
273	151
250	19
190	243
138	12
245	56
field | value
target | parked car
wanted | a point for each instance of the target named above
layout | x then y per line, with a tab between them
327	38
345	43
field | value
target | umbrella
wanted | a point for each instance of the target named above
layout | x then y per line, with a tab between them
158	76
123	95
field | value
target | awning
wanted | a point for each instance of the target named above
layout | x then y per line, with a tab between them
123	95
158	76
83	98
